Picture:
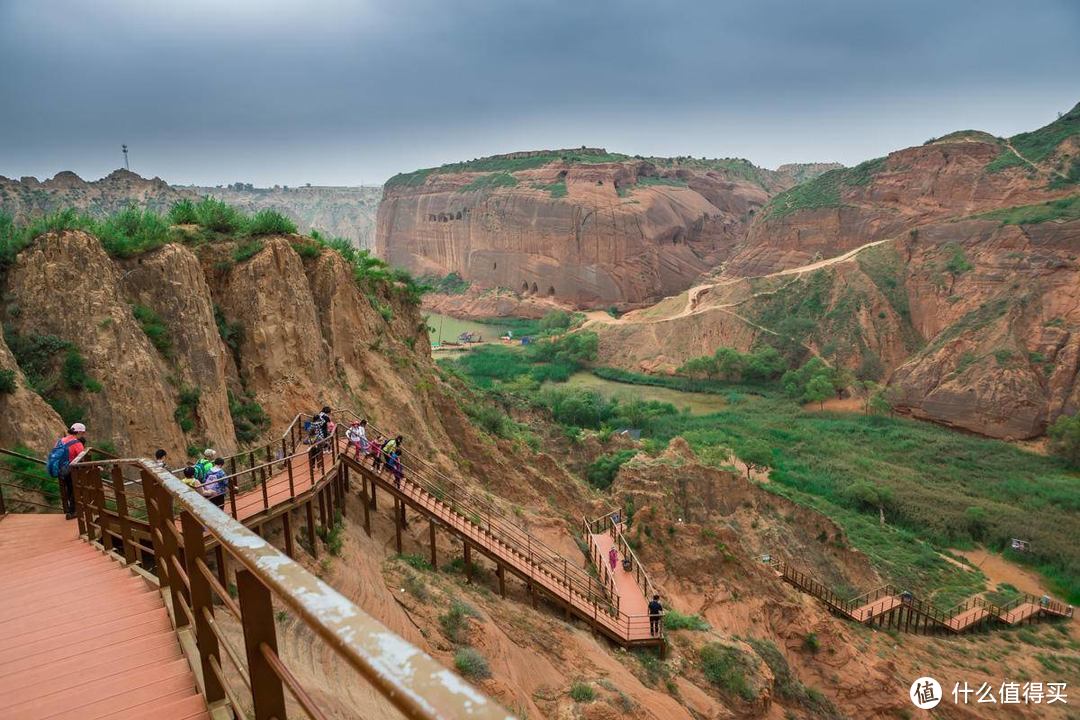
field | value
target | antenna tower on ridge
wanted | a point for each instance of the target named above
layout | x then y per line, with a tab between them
126	166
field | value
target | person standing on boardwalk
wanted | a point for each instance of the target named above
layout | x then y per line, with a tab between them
656	611
613	557
357	436
59	464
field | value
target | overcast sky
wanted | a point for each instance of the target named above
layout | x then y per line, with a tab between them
344	92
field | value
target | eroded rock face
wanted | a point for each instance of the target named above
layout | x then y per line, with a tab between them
25	419
67	286
283	360
170	281
887	199
616	234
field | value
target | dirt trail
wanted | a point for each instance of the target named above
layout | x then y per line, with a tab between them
695	294
1034	166
999	570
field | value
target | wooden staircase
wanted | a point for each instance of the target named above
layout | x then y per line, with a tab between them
888	606
80	636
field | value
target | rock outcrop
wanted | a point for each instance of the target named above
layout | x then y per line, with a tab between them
66	286
25	419
589	229
170	281
948	270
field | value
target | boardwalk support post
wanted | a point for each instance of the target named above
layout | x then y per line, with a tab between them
431	542
257	616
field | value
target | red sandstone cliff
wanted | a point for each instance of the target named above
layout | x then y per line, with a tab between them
589	229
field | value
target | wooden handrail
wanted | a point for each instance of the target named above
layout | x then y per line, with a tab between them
414	683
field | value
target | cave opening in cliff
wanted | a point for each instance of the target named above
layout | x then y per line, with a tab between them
551	290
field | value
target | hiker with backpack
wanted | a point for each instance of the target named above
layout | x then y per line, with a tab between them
59	464
205	465
216	484
656	613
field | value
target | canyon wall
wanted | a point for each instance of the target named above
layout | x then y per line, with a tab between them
585	230
948	271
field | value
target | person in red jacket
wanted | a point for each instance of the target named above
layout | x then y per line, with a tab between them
73	441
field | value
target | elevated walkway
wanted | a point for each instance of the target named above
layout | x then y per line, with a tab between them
888	606
81	637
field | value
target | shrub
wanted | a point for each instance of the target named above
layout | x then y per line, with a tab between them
245	251
332	536
811	643
450	284
1065	439
187	408
601	472
419	562
725	667
155	329
218	216
270	222
249	419
471	664
231	332
29	474
582	692
491	181
183	212
73	372
131	231
455	621
675	620
8	384
957	262
556	321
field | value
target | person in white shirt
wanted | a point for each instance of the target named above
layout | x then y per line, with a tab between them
357	436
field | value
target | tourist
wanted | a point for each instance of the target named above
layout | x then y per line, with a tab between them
357	437
58	465
216	484
189	477
375	448
159	458
656	610
319	423
331	429
613	558
391	445
205	464
393	462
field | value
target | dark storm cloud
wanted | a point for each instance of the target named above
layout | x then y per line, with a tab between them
343	92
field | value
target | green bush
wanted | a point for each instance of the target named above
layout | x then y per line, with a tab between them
582	692
725	667
450	284
249	419
1065	439
471	664
675	620
247	250
556	321
601	472
231	332
333	536
491	181
187	408
8	385
155	329
183	212
131	232
29	474
455	621
219	216
957	262
270	222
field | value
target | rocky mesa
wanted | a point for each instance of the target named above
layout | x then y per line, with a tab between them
585	227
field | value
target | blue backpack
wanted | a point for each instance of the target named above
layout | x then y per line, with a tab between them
58	458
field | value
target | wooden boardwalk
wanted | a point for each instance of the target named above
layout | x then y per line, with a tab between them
80	636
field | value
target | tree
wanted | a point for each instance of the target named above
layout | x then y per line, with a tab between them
869	389
756	454
1065	439
818	390
841	380
866	496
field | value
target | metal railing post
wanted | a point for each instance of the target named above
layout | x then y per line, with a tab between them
257	619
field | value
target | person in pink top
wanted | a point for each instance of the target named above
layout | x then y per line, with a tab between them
613	557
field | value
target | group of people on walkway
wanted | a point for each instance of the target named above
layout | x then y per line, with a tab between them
383	453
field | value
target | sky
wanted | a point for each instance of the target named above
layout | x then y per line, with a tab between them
338	92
